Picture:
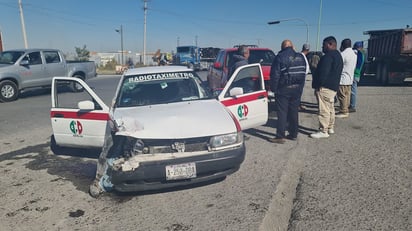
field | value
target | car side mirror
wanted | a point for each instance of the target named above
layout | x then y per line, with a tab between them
217	65
86	105
24	62
236	91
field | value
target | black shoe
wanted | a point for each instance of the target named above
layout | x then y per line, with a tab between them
277	140
352	110
289	137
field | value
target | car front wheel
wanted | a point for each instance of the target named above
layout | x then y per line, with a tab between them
8	91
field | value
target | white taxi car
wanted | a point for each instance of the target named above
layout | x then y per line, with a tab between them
163	129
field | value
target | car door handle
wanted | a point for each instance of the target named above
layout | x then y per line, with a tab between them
261	96
58	115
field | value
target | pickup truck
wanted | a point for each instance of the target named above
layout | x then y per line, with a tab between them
28	68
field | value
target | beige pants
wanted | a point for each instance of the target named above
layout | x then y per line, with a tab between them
344	98
326	115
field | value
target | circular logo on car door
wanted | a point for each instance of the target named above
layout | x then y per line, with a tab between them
242	110
76	127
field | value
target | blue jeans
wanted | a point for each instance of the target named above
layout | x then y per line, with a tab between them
353	93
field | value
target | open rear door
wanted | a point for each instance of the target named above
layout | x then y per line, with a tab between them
78	119
245	96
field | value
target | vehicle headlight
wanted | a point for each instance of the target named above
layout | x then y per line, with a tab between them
134	147
225	141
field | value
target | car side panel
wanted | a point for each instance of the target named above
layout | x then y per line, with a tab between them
251	107
72	126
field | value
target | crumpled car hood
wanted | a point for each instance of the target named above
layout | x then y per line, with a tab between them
175	120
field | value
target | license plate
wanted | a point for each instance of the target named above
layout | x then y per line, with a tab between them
181	171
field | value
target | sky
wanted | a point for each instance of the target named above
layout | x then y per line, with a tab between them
66	24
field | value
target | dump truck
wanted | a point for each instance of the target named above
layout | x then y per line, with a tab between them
389	55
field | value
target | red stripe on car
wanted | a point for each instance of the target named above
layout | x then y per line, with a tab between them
244	99
80	115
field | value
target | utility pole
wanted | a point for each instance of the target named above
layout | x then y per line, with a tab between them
121	41
1	42
320	16
23	27
144	32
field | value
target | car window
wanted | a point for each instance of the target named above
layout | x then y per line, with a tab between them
66	98
52	56
264	57
10	57
159	88
248	79
34	58
229	58
221	56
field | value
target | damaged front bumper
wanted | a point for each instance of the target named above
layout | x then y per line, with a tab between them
151	174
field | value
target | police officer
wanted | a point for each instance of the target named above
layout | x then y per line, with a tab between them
287	75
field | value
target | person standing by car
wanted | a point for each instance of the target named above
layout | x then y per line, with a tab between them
346	79
358	48
239	59
288	73
326	83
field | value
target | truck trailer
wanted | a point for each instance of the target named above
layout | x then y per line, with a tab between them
390	55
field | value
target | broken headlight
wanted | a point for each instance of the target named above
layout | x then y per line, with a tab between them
225	141
134	147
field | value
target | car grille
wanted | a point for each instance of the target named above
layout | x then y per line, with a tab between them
165	146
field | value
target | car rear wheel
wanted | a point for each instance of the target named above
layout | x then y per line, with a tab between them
8	91
190	66
75	86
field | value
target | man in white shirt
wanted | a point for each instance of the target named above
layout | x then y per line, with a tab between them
346	80
305	51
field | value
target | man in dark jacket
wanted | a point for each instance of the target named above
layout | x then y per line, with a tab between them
326	83
239	59
287	75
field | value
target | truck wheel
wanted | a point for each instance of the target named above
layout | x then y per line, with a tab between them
379	73
384	74
75	86
8	91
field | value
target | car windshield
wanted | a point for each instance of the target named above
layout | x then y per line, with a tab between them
159	88
10	57
183	50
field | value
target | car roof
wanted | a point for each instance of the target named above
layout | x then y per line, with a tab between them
30	50
157	69
250	48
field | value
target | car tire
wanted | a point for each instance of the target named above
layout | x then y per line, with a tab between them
8	91
191	66
75	86
384	74
55	148
378	73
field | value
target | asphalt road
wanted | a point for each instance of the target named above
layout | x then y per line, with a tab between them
42	191
358	179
